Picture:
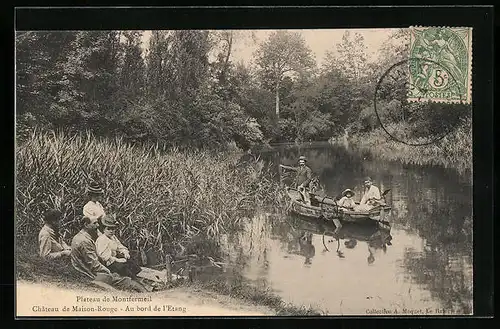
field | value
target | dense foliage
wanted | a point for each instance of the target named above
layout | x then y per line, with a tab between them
184	88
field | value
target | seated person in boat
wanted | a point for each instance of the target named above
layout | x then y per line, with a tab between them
112	252
372	193
370	197
347	202
85	260
51	243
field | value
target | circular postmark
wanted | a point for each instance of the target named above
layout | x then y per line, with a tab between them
418	122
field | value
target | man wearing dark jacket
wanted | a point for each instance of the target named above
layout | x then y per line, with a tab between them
304	173
302	178
85	260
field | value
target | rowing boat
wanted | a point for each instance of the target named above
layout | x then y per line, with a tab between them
326	208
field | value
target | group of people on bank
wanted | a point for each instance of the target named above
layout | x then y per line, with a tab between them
95	251
304	176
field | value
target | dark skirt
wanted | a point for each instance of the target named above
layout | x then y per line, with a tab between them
129	268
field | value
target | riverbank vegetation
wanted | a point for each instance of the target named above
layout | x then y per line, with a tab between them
168	201
186	87
165	199
454	150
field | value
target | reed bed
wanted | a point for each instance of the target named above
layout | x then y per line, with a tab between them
165	199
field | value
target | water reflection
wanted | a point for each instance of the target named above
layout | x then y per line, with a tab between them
423	261
376	238
448	277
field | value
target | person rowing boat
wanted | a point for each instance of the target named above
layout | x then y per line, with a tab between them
371	196
303	178
304	173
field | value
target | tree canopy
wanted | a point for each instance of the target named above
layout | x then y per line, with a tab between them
184	87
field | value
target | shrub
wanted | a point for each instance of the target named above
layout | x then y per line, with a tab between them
452	151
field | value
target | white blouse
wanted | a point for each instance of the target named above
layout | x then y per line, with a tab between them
93	210
108	248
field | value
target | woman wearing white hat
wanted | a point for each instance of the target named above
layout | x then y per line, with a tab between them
94	209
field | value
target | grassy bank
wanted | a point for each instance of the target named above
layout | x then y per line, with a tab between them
452	151
31	268
167	200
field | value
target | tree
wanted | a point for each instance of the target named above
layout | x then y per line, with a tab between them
349	65
393	50
350	58
283	53
132	68
155	60
39	70
223	43
89	92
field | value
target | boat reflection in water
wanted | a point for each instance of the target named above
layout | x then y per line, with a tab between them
300	243
377	238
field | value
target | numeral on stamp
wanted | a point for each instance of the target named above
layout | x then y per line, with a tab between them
444	72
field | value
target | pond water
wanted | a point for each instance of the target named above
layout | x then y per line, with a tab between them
425	269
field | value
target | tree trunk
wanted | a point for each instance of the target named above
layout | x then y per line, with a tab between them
277	101
277	117
228	54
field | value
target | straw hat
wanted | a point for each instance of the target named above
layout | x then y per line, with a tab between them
302	158
109	221
95	188
348	190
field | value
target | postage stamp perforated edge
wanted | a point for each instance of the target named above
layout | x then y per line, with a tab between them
468	99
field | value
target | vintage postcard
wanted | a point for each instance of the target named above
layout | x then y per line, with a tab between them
244	172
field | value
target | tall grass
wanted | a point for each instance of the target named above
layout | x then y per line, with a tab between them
452	151
165	199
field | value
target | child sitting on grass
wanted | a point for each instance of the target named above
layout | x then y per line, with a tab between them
112	252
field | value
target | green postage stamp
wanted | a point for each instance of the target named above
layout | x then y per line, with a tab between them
440	69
